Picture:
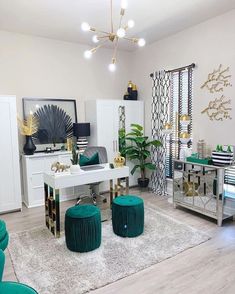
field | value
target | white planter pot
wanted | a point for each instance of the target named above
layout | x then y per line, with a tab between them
75	169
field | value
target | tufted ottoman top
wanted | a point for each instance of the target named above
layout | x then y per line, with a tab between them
82	211
128	200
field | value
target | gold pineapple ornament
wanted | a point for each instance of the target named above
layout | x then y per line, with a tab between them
119	160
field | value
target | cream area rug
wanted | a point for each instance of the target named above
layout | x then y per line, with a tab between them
45	263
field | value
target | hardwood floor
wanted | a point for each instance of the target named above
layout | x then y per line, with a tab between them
207	268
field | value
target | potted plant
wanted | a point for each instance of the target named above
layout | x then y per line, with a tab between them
28	127
75	167
138	151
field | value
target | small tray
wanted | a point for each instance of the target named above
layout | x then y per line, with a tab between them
207	161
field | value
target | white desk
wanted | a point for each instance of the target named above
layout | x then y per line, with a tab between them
54	182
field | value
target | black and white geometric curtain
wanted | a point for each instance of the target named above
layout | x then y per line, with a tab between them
160	116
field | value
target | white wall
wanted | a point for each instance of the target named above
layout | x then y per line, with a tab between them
207	44
39	67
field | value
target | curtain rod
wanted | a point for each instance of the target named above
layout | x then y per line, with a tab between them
178	69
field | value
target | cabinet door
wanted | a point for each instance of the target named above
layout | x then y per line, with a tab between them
107	134
134	113
10	192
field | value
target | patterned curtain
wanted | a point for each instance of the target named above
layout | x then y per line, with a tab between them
160	116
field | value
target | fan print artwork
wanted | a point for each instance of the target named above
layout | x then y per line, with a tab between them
55	125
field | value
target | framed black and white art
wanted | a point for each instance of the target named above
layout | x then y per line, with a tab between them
55	118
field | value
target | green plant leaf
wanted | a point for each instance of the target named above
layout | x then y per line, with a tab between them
137	126
155	143
146	153
140	140
135	133
150	165
135	168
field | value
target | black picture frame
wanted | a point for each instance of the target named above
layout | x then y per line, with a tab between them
31	105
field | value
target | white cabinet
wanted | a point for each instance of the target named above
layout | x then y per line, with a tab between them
33	168
105	121
10	191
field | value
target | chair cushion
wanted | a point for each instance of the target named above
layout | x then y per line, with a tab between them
4	241
82	211
15	288
84	160
2	229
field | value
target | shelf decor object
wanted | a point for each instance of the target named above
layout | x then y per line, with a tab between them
218	109
113	35
185	120
218	80
28	127
81	131
75	167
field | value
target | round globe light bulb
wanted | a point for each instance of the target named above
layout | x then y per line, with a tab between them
130	23
121	33
87	54
124	4
95	39
141	42
85	26
112	67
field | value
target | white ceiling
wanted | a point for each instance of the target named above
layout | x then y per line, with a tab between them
61	19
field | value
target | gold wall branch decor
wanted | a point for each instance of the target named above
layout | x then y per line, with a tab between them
218	109
217	80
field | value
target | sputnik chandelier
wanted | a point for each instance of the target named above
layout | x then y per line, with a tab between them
114	36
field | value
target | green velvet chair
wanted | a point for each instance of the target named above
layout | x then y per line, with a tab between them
4	237
12	287
83	228
128	216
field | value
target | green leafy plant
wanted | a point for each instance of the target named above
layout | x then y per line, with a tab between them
75	155
139	149
122	141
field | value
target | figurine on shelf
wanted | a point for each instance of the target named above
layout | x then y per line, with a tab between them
58	167
119	160
132	93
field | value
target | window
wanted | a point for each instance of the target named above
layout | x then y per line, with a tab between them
181	87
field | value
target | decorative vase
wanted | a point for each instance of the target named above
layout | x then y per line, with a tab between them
143	183
75	169
119	160
134	95
29	147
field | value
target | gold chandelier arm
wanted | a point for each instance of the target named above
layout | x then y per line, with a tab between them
102	37
115	50
120	22
94	30
111	2
134	40
93	50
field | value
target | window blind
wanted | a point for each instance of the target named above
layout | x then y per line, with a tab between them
181	89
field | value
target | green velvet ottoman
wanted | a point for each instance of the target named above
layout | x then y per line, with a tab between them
83	228
15	288
128	216
12	287
4	237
